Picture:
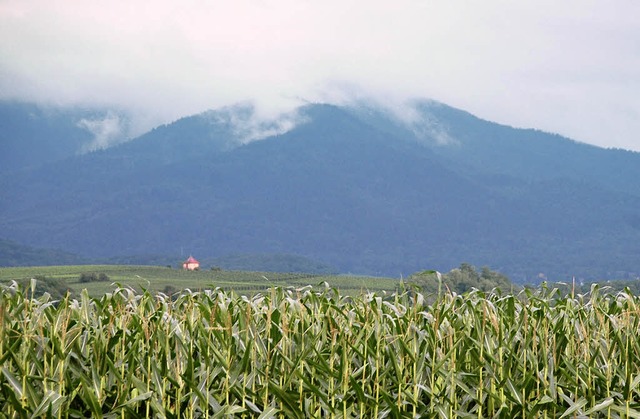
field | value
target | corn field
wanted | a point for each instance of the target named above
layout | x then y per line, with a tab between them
292	353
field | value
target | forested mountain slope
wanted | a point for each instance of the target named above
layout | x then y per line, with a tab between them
353	187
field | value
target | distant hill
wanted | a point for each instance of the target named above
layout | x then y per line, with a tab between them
14	254
352	187
270	263
32	135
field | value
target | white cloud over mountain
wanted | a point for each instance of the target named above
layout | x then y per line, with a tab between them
568	67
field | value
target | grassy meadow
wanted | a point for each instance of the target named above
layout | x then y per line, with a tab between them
305	352
168	280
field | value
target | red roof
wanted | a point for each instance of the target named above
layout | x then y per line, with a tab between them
191	260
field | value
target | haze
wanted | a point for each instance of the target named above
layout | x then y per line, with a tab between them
568	67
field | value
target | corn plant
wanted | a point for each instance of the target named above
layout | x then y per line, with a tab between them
315	353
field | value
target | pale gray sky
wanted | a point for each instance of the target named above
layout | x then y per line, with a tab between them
571	67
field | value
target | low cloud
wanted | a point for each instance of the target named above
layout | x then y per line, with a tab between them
107	130
556	66
412	113
424	125
250	125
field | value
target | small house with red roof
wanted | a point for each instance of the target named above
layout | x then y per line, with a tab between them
191	264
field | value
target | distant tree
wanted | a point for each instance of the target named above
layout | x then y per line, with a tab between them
55	287
169	290
462	279
93	277
87	277
493	279
428	281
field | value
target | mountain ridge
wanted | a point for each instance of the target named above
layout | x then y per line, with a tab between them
361	190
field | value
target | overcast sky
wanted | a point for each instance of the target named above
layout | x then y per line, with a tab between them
570	67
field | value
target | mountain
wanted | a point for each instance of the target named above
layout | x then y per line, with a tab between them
358	188
15	254
270	263
33	135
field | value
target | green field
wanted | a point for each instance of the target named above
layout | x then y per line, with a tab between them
164	279
290	353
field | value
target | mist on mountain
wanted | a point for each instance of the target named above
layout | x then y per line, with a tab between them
364	188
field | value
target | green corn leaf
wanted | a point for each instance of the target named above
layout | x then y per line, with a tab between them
356	386
229	412
514	393
288	400
545	400
16	386
136	399
90	399
625	411
50	405
600	406
269	413
574	408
